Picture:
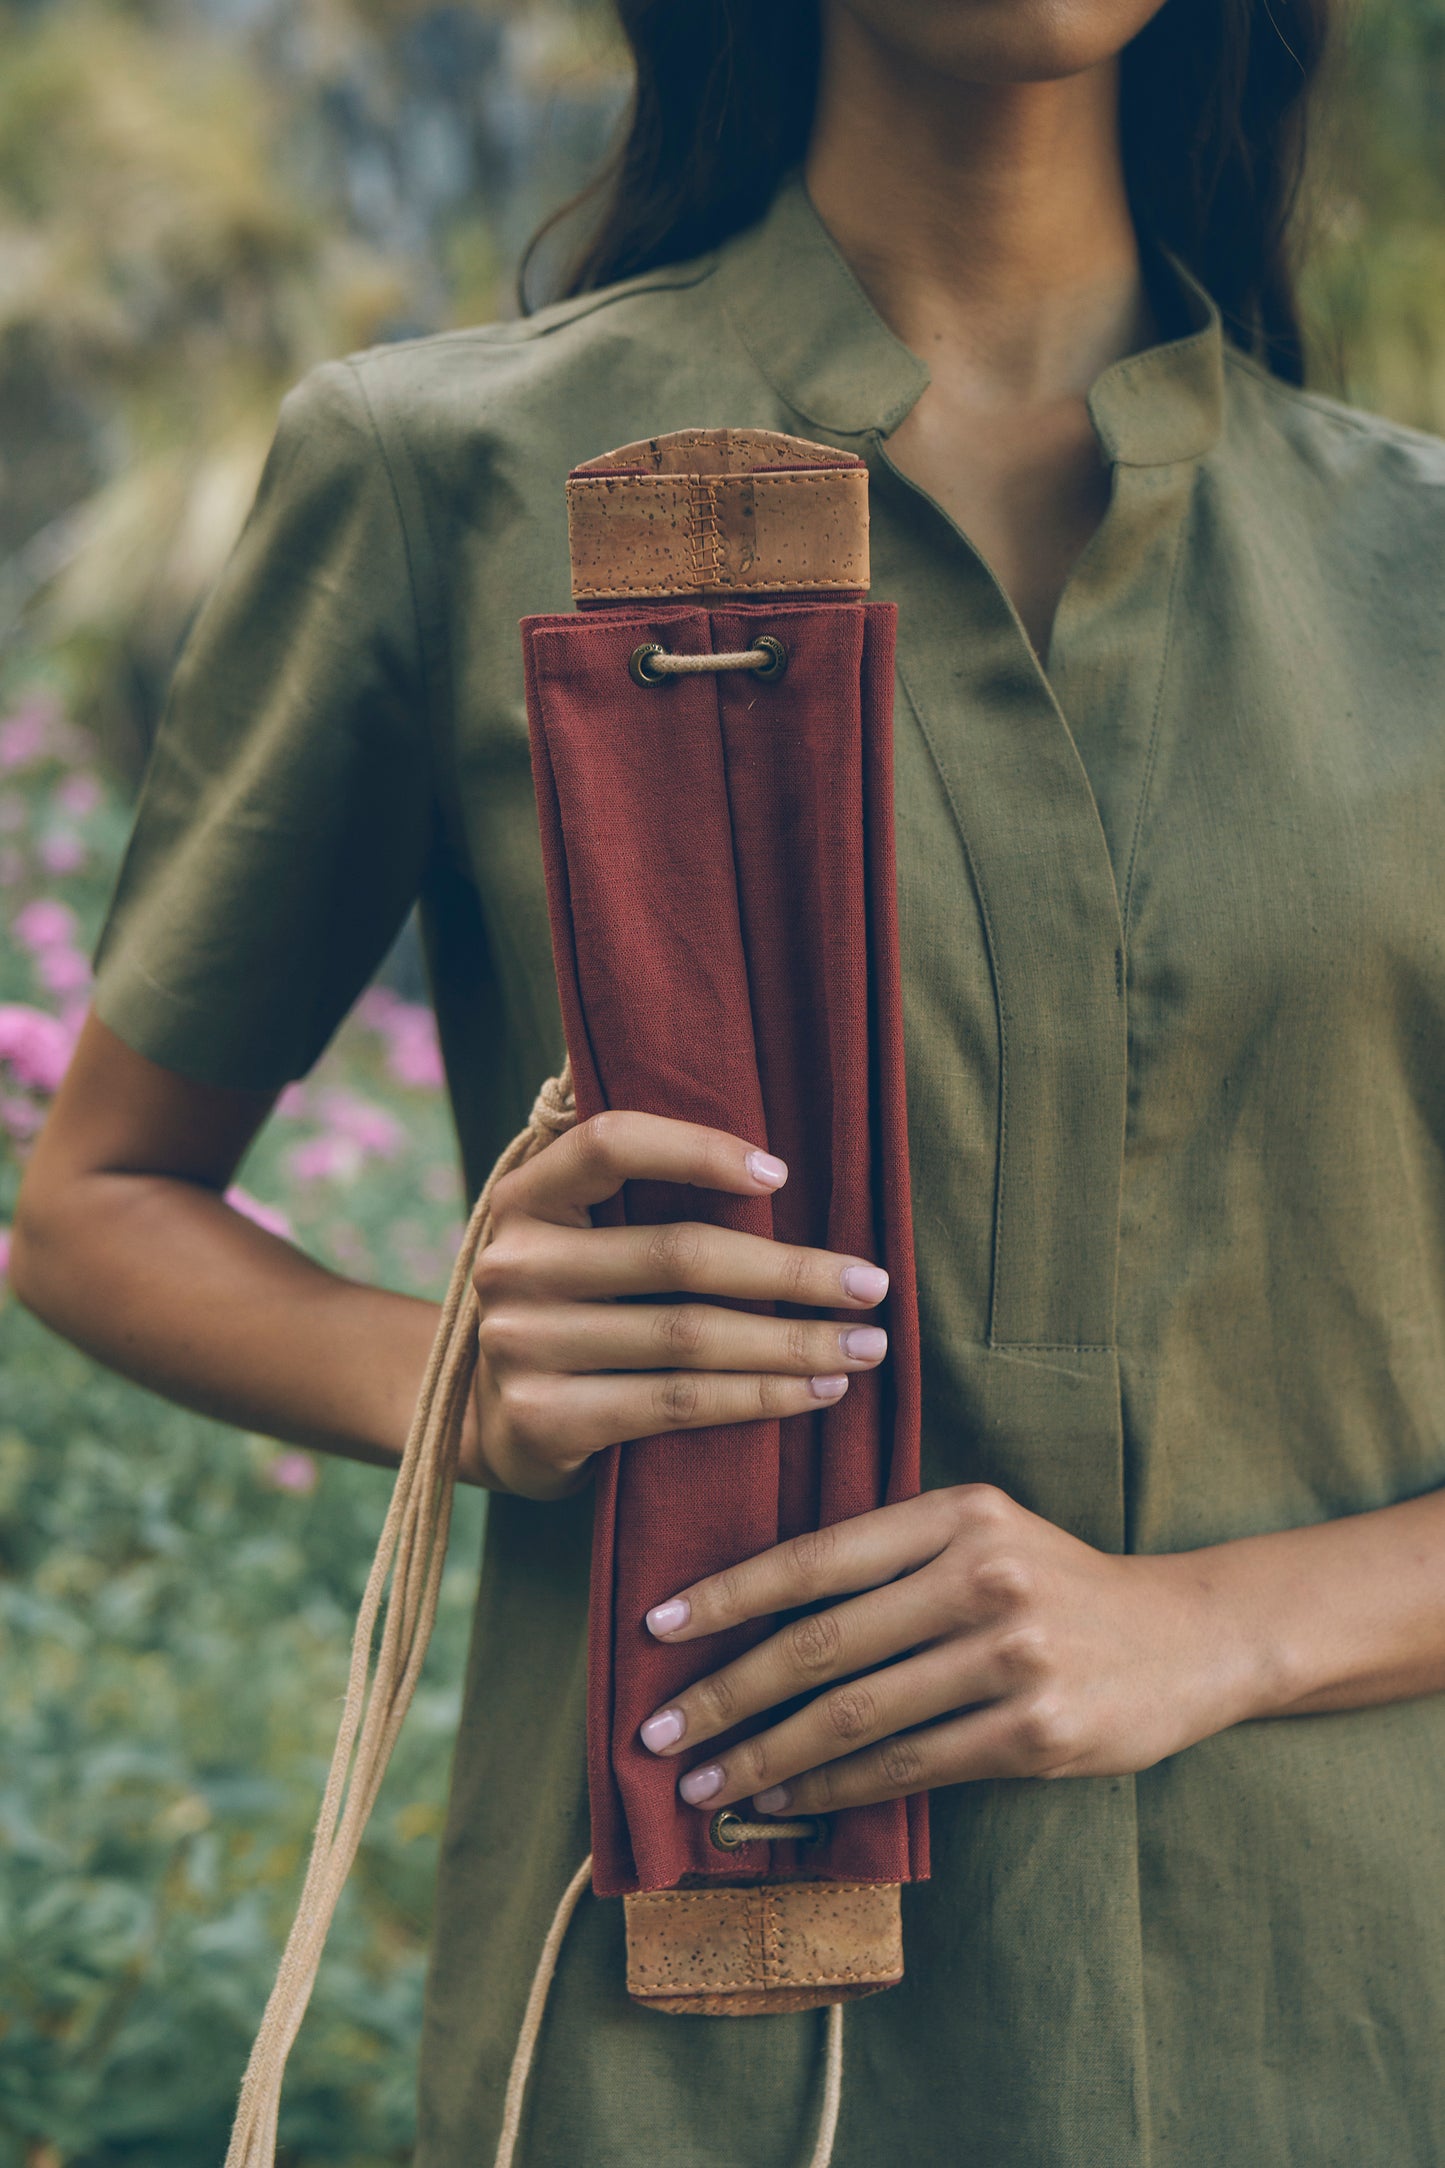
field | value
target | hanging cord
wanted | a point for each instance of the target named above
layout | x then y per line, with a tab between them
832	2090
532	2016
822	2153
411	1553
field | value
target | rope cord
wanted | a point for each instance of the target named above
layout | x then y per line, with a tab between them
665	665
532	2015
822	2153
832	2091
410	1554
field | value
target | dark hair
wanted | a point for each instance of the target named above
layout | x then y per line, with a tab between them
1215	95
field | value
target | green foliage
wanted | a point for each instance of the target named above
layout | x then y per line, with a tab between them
1375	276
176	1604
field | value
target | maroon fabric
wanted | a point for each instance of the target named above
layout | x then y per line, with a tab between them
719	858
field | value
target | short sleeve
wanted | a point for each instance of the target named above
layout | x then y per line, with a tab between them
286	816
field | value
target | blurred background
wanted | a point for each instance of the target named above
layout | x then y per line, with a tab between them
198	200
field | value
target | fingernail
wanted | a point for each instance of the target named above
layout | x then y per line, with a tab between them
764	1168
773	1801
865	1283
665	1618
664	1729
865	1343
829	1388
700	1784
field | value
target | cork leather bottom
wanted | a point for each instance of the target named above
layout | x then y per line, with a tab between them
748	1949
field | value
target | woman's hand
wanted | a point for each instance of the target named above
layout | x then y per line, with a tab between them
568	1367
989	1644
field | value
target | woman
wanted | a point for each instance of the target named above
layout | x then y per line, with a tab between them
1171	809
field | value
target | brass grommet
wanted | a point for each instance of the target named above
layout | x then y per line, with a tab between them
730	1830
638	660
777	654
723	1830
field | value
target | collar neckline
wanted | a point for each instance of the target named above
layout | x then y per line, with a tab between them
812	330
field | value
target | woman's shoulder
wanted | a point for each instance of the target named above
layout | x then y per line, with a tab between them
571	375
1338	452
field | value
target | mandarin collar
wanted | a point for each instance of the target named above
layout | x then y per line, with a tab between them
812	330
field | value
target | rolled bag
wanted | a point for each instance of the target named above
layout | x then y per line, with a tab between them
718	848
719	857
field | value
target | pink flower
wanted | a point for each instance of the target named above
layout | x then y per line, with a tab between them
265	1215
4	1254
63	970
294	1472
26	735
377	1006
35	1046
328	1158
45	924
62	853
292	1104
366	1125
79	795
414	1056
409	1028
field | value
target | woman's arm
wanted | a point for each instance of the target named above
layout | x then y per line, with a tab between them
990	1643
124	1243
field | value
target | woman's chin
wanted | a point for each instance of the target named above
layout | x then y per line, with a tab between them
1003	41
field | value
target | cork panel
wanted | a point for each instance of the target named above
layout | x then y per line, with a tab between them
746	1949
815	1931
690	1941
790	530
635	536
716	451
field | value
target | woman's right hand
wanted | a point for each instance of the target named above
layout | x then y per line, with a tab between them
568	1367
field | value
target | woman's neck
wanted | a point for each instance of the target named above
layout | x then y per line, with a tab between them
989	223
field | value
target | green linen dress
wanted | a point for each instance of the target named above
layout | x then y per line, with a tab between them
1173	932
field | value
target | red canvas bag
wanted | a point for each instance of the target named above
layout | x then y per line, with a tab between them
719	855
712	746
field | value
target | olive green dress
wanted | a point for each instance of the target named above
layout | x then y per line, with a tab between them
1173	932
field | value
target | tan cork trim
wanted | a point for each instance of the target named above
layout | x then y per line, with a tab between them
721	512
748	1948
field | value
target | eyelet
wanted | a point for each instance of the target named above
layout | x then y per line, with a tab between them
778	663
637	665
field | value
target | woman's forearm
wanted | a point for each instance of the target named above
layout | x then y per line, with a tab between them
1344	1614
158	1278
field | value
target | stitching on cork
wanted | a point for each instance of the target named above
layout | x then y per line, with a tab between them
704	537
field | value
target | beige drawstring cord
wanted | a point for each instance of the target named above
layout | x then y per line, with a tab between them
411	1553
532	2015
822	2153
832	2090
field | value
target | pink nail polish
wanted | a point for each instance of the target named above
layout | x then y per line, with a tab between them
865	1283
665	1618
829	1388
774	1800
865	1343
664	1729
701	1784
764	1168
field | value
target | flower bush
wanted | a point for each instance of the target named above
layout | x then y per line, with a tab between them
175	1609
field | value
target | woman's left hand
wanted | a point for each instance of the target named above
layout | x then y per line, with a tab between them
987	1643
